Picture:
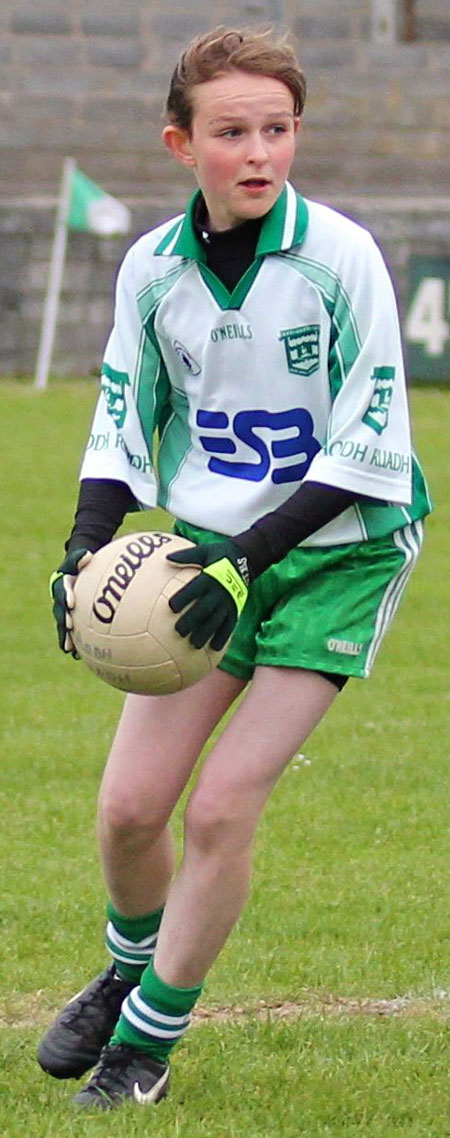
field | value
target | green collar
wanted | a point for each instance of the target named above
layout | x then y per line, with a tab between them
284	226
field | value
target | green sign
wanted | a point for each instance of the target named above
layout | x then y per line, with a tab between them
427	324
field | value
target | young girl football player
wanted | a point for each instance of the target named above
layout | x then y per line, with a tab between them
257	334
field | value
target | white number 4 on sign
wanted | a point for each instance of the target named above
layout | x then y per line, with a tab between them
426	323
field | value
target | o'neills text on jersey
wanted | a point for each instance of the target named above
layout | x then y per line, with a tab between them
232	332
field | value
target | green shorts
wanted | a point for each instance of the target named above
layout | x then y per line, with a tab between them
324	608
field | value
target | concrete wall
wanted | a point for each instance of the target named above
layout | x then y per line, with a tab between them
89	78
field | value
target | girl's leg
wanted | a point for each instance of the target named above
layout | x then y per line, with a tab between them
157	743
281	708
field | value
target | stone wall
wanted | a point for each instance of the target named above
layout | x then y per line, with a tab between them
89	78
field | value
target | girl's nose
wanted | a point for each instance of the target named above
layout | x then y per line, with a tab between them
257	150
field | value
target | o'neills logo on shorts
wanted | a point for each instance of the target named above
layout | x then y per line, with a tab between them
347	647
128	564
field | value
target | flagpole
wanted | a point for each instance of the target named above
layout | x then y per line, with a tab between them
51	303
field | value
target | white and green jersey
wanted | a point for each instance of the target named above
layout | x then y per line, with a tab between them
297	374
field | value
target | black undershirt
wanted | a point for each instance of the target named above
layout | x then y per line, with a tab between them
229	253
103	502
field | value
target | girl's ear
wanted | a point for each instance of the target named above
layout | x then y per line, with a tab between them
178	141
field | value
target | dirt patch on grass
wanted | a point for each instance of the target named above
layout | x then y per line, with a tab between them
313	1005
35	1010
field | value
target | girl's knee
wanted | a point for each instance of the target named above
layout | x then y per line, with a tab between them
218	816
124	812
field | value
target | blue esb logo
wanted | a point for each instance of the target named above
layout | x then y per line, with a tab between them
300	445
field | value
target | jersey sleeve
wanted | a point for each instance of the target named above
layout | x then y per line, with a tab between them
121	441
367	448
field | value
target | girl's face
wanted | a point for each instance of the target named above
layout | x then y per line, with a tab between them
241	144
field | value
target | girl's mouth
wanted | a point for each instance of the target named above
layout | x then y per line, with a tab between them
255	183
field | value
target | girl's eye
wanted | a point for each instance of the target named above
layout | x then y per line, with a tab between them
237	131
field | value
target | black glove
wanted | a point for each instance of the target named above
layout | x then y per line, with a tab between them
61	592
216	596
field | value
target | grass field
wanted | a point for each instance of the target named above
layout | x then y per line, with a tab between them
328	1013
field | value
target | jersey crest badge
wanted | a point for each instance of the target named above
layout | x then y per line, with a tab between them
377	414
113	387
302	348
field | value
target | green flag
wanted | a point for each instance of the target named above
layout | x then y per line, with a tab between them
93	210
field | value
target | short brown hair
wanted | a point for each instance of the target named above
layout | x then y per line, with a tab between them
232	49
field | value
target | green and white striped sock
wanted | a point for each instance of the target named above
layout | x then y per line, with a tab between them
155	1016
131	941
